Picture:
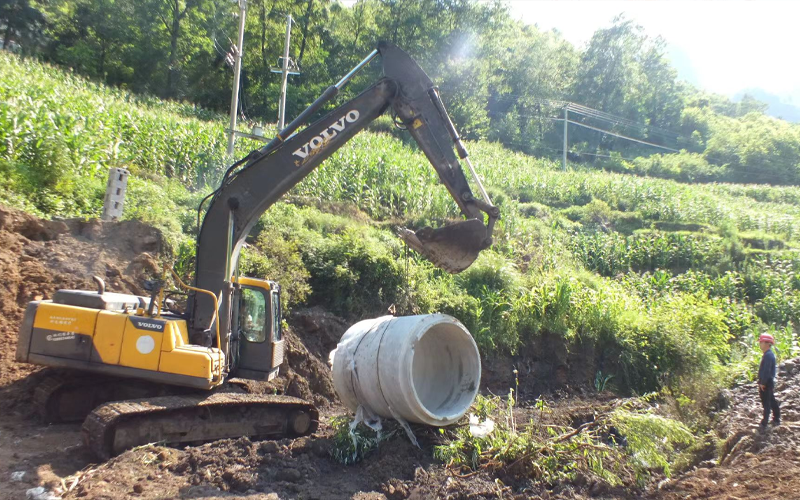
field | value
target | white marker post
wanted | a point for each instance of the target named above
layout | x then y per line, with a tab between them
115	193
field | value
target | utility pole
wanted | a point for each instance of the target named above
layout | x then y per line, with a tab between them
566	142
287	67
236	73
285	71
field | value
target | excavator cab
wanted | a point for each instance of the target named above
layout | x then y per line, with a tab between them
256	331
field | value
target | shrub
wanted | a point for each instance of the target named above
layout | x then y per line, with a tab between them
282	262
653	440
780	307
683	166
351	444
490	271
354	273
525	451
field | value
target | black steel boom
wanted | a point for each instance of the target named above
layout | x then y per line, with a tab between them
269	173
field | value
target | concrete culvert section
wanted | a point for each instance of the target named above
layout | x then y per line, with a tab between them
424	369
443	370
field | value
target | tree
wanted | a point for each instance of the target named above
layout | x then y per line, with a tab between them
625	73
535	68
172	14
94	37
19	20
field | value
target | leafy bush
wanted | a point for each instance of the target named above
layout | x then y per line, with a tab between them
756	149
779	307
355	273
683	166
653	440
282	262
490	271
351	444
528	451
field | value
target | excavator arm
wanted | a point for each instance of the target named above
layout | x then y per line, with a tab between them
265	175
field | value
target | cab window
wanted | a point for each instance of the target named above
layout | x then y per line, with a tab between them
253	315
276	316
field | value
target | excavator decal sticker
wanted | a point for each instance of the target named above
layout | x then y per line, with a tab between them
58	337
312	147
150	324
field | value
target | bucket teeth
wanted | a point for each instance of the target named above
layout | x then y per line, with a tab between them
452	248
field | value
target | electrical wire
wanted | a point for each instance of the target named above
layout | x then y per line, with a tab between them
584	110
746	173
620	136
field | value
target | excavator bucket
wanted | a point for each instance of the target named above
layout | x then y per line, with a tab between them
452	248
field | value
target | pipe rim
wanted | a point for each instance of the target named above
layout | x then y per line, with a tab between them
416	404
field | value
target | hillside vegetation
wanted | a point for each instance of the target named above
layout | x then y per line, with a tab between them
663	279
502	80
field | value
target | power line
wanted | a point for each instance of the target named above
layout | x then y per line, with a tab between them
595	128
576	108
621	136
745	173
603	156
603	116
641	128
608	116
588	112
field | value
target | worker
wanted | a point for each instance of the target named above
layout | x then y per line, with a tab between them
766	380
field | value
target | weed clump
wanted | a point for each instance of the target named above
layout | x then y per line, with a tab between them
352	443
623	445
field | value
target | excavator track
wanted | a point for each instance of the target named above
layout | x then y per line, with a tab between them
115	427
64	397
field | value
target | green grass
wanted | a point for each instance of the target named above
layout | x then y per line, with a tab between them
664	278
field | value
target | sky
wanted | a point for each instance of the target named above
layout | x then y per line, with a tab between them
721	46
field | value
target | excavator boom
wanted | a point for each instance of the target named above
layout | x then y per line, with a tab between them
267	174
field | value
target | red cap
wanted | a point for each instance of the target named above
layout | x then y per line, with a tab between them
766	337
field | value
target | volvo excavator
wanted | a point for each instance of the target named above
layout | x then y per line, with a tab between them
139	371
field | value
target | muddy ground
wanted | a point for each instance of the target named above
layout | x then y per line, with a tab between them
39	257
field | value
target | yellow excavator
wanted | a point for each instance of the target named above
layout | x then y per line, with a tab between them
139	371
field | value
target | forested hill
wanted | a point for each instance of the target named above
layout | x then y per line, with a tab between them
502	80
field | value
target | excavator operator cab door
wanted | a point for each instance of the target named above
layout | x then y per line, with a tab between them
258	329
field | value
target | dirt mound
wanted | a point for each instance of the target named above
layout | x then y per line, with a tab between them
313	334
303	468
754	462
39	257
298	468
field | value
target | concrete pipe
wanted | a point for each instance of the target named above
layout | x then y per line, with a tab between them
425	369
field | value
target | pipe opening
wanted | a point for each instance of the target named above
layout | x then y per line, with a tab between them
446	370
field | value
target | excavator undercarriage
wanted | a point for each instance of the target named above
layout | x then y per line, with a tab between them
118	426
119	414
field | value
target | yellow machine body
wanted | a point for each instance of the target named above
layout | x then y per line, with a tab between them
111	333
117	342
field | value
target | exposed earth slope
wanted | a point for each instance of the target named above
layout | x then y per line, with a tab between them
37	257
